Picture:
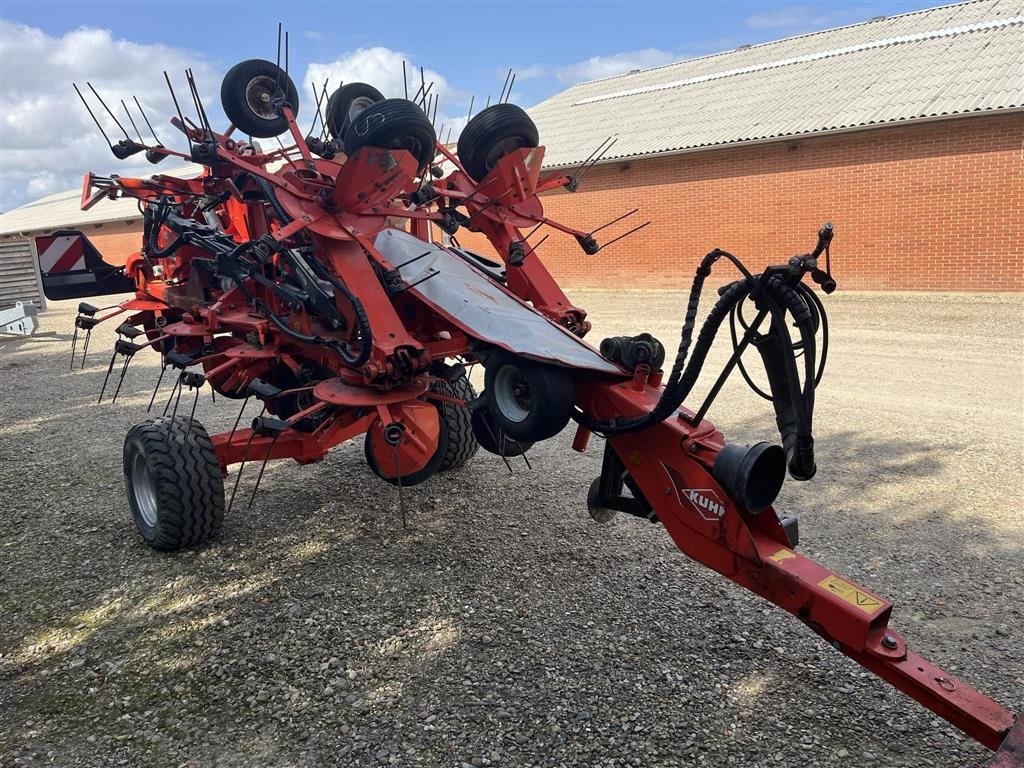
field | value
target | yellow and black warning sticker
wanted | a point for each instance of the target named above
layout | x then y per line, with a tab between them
844	590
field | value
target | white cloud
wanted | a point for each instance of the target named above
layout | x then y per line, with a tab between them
532	72
800	17
47	139
382	68
597	67
44	183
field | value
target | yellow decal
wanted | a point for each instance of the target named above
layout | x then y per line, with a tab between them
782	554
634	457
844	590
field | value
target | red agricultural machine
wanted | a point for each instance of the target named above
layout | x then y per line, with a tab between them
325	280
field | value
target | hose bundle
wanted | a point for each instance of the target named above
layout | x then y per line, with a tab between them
778	293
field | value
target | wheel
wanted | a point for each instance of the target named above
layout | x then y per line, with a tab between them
393	124
175	488
528	400
456	421
597	512
252	93
492	134
346	104
492	439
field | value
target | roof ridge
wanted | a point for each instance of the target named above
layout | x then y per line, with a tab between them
781	40
885	42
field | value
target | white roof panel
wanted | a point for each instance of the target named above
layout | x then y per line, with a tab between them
939	62
63	210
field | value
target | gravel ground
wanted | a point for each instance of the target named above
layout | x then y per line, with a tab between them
503	627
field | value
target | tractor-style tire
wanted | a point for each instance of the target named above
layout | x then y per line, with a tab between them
250	93
456	420
174	483
492	134
393	124
528	400
346	104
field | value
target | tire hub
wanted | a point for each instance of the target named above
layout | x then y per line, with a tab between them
358	106
261	93
143	490
513	394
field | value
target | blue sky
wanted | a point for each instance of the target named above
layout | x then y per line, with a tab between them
466	47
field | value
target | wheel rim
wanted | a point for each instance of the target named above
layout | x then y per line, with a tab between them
260	94
358	106
143	491
513	394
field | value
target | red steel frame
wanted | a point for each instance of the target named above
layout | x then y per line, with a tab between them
669	462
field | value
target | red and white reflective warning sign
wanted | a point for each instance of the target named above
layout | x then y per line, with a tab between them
60	253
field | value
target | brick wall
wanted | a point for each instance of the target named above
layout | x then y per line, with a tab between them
115	241
932	206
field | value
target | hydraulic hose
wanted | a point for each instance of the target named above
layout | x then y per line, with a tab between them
362	319
152	222
793	407
268	191
684	375
793	403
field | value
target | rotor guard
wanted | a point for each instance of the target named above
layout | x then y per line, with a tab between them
420	437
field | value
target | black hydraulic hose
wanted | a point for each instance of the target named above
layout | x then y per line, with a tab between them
613	426
681	381
268	190
337	346
702	273
823	324
793	407
362	319
151	228
820	321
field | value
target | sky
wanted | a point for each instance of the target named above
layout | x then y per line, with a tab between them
47	140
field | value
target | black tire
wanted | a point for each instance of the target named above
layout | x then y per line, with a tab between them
492	439
251	93
456	420
346	104
174	483
598	513
528	400
393	124
431	469
492	134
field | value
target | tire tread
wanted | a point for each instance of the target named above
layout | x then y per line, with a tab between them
189	485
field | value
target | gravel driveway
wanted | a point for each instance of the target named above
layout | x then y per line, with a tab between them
503	627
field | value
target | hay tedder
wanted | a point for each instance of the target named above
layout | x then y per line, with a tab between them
325	280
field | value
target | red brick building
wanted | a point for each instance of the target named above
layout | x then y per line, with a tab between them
907	132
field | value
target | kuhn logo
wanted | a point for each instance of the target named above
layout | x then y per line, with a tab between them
706	504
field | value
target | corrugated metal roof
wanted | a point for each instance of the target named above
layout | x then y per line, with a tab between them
62	210
946	61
